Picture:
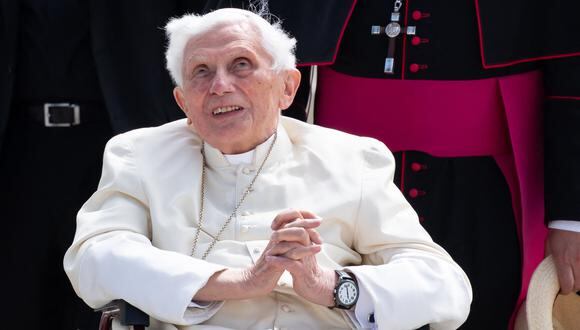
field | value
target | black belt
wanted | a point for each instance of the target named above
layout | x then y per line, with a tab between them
65	114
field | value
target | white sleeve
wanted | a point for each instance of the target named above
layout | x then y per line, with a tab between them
412	290
411	281
361	314
112	256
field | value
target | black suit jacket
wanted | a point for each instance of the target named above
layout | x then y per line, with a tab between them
128	43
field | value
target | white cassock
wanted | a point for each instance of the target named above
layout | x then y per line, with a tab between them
135	234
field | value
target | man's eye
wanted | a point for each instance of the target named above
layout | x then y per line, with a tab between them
241	64
200	71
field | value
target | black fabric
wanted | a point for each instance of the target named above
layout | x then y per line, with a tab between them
315	44
128	43
522	29
55	59
562	139
46	174
562	164
465	205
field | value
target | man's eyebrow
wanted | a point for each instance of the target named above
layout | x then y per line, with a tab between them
238	51
197	58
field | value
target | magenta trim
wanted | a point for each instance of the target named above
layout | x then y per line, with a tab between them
562	97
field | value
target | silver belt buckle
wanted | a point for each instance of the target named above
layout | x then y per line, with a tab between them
73	107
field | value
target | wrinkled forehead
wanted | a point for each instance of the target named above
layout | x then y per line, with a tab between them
225	37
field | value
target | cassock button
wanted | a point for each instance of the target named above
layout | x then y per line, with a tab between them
286	309
417	15
246	213
246	170
414	67
414	193
245	228
415	41
417	167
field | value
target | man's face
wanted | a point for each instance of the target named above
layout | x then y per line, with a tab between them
229	92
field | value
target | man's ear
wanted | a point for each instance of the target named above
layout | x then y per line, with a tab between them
291	83
180	99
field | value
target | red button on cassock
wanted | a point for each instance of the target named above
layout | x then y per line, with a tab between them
414	67
415	41
417	15
414	193
416	167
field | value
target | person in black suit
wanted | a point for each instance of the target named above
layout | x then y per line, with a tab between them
74	73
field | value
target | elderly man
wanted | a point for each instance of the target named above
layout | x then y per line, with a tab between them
237	217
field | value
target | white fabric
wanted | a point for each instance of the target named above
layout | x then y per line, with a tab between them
569	225
135	234
237	159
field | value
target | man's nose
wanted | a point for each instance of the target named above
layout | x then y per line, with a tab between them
221	83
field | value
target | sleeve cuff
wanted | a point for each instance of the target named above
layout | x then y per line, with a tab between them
569	225
363	312
198	312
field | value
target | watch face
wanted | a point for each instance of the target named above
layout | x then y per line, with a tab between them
347	293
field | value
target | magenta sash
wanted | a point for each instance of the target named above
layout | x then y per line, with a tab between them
498	117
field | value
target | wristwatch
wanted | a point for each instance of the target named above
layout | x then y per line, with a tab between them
345	291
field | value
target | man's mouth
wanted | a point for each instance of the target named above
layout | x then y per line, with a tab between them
227	109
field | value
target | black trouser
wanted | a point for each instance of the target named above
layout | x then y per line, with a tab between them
465	205
46	174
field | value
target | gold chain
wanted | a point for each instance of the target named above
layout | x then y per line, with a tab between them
229	219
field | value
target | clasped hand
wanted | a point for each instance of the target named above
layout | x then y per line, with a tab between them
293	246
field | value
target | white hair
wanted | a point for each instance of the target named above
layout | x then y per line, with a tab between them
275	41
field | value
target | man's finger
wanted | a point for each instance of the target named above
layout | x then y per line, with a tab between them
285	217
302	252
283	262
565	276
298	234
308	224
303	223
576	274
281	248
294	251
291	215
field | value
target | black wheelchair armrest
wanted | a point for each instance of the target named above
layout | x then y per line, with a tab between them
127	314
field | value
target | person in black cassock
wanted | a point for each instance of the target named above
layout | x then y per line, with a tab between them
480	100
74	73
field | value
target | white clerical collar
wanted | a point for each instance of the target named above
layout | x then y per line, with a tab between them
243	158
215	158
